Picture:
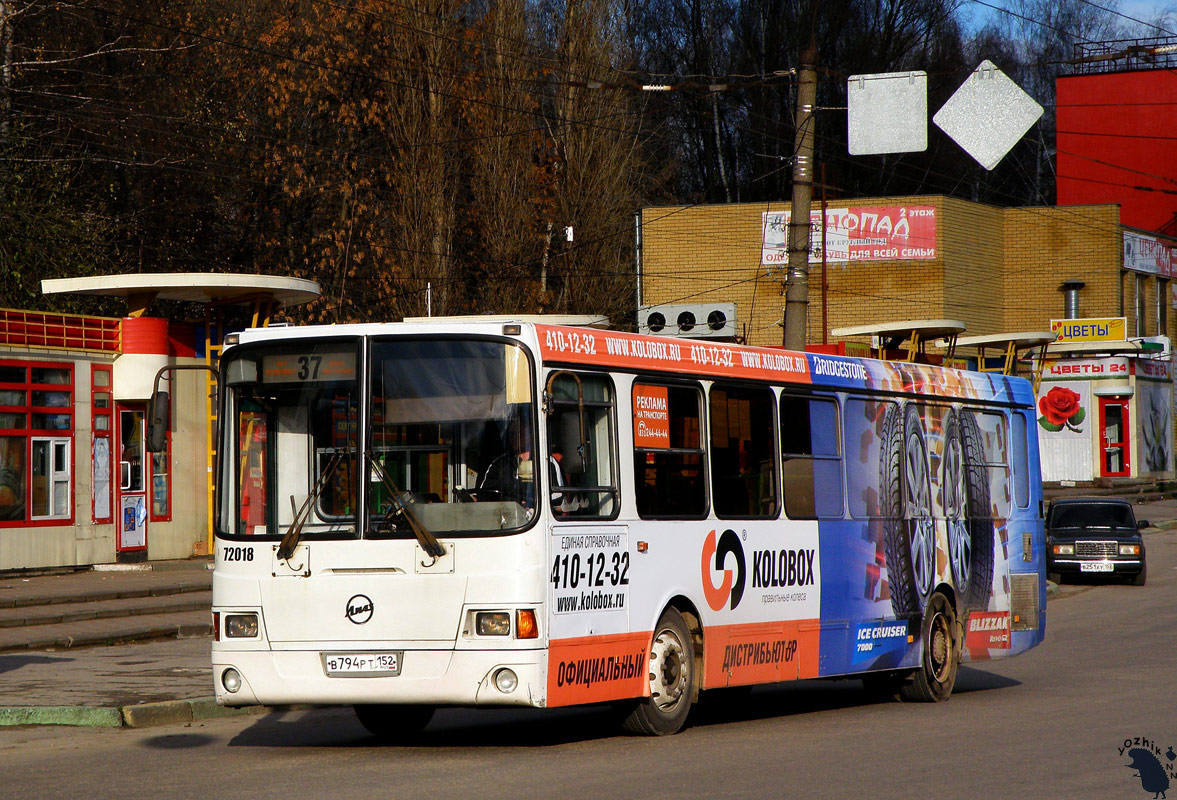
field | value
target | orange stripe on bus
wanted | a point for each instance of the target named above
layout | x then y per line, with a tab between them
762	652
592	669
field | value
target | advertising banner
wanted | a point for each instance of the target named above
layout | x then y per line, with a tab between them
651	418
866	233
1149	254
1065	423
1110	329
1154	419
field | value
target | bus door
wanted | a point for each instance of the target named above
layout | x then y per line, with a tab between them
1113	437
132	485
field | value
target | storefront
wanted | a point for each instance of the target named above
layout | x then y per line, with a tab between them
76	483
1106	412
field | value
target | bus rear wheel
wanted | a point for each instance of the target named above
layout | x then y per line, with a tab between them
393	723
940	656
671	673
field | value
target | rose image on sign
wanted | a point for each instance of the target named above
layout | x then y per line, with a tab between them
1060	409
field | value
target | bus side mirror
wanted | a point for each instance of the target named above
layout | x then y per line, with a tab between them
158	416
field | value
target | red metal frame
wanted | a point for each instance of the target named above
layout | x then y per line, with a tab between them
28	432
119	408
1125	442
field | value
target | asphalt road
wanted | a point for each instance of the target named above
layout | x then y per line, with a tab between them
1047	724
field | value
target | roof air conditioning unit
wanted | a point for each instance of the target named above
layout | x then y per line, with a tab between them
693	321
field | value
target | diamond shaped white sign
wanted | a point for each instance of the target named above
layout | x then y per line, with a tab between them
988	114
887	112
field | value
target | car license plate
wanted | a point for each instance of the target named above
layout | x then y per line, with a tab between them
363	665
1096	566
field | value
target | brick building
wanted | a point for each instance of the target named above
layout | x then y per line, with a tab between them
934	257
996	269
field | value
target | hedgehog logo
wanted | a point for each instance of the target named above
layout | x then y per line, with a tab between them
1151	772
730	588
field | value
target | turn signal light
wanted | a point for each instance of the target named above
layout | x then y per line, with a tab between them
525	625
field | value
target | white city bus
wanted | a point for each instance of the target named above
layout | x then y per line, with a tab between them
474	513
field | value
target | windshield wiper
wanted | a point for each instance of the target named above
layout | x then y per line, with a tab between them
425	537
290	540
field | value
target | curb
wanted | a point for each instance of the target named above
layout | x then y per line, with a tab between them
141	715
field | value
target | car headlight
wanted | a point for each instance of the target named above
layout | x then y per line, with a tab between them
1064	549
1129	549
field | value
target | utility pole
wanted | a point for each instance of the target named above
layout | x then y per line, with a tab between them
797	277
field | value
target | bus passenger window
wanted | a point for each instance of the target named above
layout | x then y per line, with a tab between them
811	453
743	460
864	422
668	452
995	469
582	481
1020	464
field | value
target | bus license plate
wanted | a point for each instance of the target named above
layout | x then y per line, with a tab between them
1096	566
362	665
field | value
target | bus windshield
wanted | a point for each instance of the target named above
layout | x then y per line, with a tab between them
443	429
292	415
453	429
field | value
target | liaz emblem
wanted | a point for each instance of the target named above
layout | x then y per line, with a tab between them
359	609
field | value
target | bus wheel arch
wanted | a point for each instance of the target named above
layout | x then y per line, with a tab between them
673	674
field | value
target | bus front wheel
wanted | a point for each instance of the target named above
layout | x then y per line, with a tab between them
672	679
393	723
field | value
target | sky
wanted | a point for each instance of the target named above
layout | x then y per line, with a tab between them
977	15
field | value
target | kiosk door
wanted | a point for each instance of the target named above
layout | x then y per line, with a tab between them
132	493
1113	435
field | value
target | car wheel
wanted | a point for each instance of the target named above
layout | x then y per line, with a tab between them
939	656
393	723
909	534
966	508
672	678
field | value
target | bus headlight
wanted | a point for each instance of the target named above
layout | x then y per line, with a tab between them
493	623
231	680
506	681
241	626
